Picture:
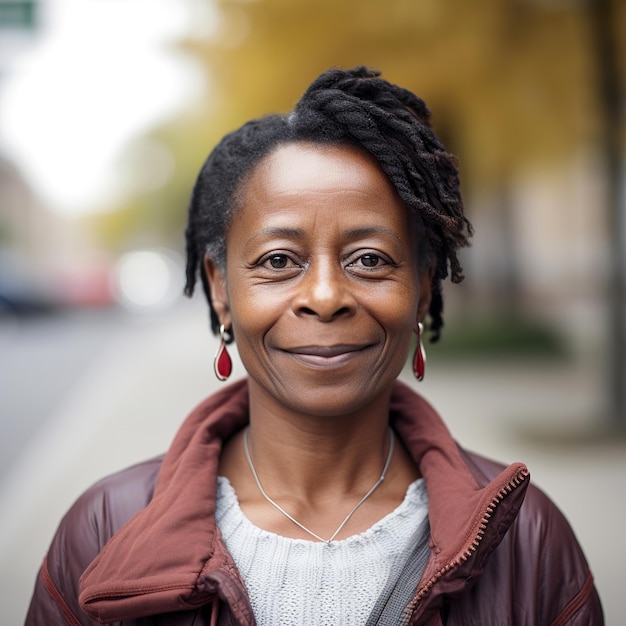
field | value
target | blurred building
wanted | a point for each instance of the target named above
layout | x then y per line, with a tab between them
545	254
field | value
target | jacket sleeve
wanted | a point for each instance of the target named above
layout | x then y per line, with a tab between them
83	532
76	543
565	592
549	580
538	575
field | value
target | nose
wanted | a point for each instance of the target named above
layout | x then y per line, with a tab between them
324	292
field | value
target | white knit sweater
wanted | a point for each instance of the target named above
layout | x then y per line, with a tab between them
294	582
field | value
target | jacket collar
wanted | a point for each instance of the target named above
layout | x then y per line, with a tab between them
467	520
169	557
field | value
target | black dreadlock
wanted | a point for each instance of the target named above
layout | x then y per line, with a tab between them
357	108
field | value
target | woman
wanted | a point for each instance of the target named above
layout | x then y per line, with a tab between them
320	490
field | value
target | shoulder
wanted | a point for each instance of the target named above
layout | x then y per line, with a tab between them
106	506
539	519
538	513
88	525
536	552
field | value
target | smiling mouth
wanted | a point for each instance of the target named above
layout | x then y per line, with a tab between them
327	355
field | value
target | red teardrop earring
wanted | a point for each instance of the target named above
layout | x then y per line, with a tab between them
222	364
419	360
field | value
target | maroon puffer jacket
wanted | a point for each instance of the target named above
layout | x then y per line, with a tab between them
141	547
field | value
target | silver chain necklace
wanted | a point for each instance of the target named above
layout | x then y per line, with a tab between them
293	519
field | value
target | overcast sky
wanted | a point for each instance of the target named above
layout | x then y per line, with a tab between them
96	74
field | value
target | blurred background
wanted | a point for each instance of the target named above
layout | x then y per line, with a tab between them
109	108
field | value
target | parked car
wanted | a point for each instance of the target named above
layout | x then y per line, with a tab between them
26	289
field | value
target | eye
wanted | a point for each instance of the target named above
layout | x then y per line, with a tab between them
370	260
278	261
370	264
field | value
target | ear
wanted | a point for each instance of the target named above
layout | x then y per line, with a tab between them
425	294
219	292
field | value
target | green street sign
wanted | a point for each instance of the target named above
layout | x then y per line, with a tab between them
17	15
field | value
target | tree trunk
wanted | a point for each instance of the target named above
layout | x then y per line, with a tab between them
510	296
610	93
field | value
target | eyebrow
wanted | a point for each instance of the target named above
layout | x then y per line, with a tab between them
353	233
280	231
356	233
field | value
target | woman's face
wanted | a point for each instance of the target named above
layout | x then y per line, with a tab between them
321	287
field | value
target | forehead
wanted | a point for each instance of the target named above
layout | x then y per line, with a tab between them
327	194
309	169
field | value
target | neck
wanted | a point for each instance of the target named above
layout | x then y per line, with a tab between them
312	454
347	518
317	468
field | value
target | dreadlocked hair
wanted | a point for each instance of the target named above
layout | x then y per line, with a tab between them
358	108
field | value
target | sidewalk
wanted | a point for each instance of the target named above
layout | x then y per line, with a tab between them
130	403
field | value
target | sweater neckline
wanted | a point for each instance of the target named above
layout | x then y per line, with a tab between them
414	498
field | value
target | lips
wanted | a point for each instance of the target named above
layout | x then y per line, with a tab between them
326	351
327	355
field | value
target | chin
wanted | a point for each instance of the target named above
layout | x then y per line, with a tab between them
335	401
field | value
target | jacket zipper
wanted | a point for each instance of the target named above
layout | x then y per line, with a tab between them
511	485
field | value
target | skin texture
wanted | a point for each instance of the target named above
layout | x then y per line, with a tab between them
323	293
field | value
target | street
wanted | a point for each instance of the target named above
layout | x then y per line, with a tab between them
42	360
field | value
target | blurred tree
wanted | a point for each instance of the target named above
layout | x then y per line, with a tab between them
607	35
510	83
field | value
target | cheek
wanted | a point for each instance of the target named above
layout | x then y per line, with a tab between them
400	329
254	312
401	326
397	307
